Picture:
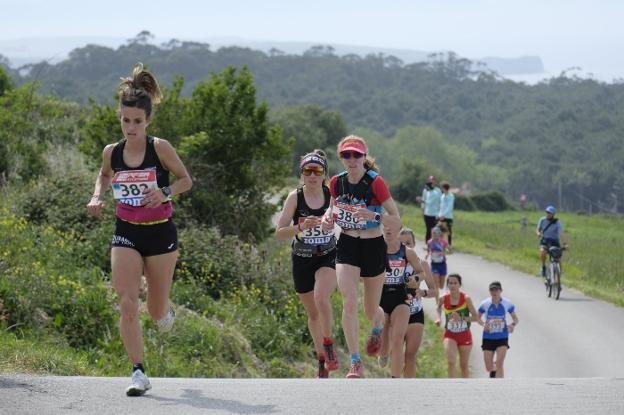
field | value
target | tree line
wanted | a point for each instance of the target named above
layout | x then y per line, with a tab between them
557	141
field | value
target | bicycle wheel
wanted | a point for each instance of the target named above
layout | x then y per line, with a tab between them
557	284
549	281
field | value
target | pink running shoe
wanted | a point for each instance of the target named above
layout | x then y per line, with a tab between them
332	358
356	371
373	344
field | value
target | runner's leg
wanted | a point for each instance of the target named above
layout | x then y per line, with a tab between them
159	275
413	338
127	268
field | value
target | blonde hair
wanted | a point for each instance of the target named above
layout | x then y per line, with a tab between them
141	90
408	231
369	162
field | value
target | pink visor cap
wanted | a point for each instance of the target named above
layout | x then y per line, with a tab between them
353	145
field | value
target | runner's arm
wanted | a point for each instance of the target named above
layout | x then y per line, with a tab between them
514	317
285	229
172	162
421	267
474	316
105	175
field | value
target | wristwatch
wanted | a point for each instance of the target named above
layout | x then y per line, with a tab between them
166	191
377	217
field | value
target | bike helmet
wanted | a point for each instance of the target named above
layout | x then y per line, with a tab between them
551	209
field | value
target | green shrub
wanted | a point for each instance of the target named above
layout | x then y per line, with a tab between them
464	203
493	201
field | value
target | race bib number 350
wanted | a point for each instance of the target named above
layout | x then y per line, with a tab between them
129	185
315	235
343	216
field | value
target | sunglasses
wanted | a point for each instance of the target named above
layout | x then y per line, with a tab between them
348	154
309	171
494	289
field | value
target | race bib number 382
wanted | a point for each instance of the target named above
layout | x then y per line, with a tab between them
129	185
343	216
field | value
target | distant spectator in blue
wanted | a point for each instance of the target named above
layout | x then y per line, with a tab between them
550	231
430	202
447	203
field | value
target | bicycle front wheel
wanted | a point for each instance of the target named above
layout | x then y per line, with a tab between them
557	284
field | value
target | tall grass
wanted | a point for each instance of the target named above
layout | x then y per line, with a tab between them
594	263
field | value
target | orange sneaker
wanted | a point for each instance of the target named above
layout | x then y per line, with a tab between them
356	371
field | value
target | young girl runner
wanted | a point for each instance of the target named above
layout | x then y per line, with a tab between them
437	249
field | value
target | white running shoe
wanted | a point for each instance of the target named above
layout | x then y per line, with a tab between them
140	384
165	324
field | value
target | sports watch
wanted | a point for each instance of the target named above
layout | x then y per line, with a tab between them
166	191
377	217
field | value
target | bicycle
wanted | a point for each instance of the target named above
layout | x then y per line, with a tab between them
552	280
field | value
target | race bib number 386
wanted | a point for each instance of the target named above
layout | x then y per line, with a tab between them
129	185
343	216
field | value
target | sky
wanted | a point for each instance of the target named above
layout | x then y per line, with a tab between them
564	33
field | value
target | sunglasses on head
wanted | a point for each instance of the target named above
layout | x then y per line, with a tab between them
348	154
310	170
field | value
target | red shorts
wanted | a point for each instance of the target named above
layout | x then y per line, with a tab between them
463	338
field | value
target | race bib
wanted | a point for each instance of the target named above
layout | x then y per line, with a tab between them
497	325
396	275
437	257
129	185
457	326
343	216
416	305
315	235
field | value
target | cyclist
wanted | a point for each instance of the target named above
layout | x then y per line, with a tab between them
495	329
145	239
550	231
359	198
313	254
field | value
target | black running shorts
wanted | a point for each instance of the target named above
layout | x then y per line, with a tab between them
148	240
304	269
391	299
367	254
492	345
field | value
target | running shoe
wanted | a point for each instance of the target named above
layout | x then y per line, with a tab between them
356	371
321	371
165	324
332	357
140	384
373	344
382	361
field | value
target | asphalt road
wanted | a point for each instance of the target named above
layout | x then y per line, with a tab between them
576	336
73	395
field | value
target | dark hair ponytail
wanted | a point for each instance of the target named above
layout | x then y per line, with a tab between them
139	91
